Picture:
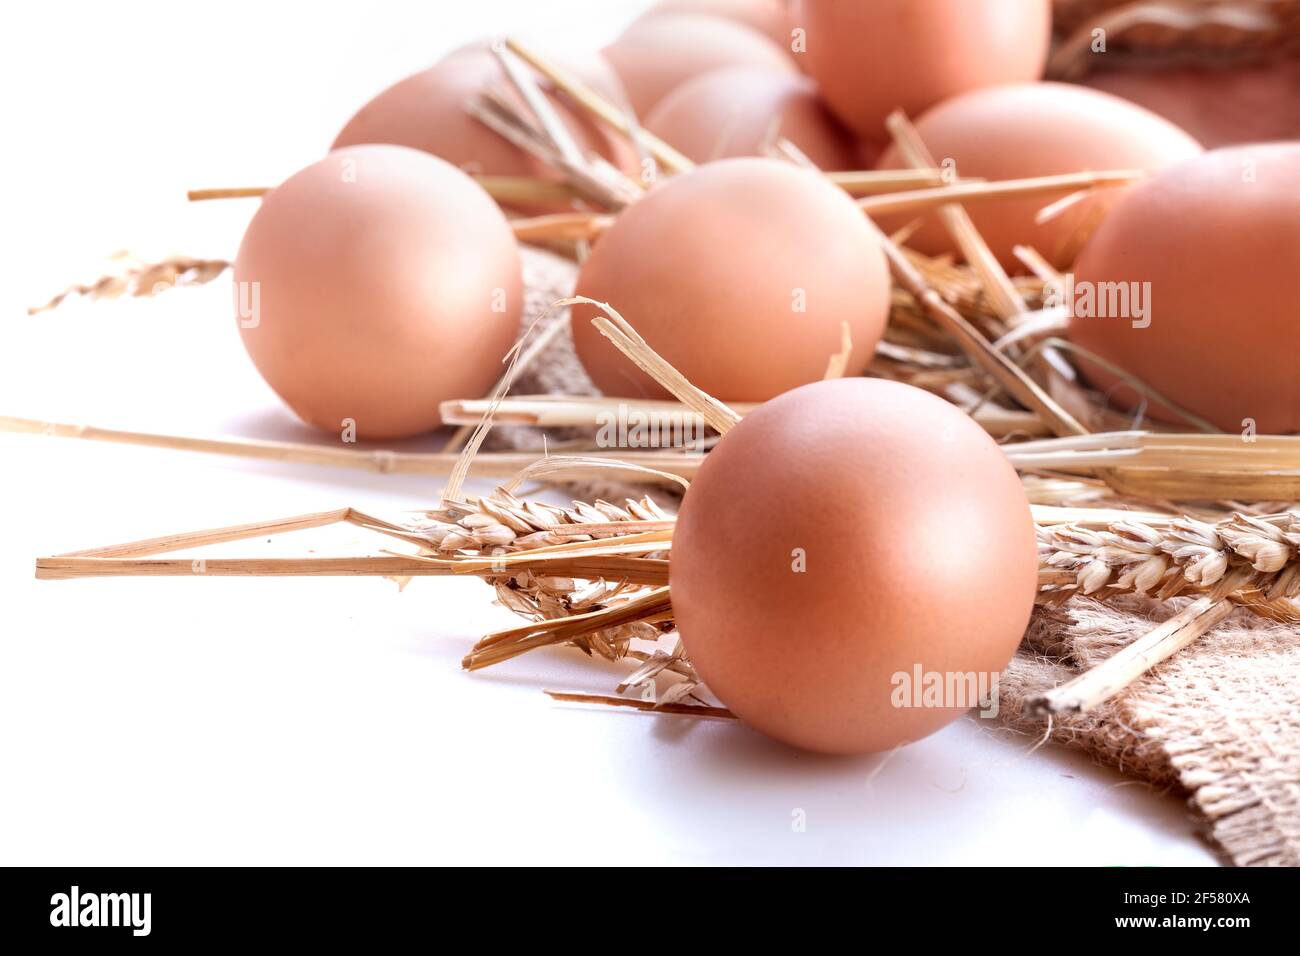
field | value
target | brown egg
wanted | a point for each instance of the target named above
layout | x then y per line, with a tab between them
741	273
871	58
657	54
844	540
1218	240
769	17
741	111
374	285
1038	129
426	111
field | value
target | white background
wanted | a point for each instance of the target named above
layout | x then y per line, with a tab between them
207	721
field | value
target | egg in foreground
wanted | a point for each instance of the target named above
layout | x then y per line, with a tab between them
375	284
843	539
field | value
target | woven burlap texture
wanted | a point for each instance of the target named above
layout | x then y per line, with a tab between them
1218	722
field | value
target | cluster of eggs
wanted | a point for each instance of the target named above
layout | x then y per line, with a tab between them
389	281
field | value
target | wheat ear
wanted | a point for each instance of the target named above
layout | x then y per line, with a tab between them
1242	555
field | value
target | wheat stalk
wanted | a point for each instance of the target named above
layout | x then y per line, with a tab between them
1247	560
501	525
503	521
1241	553
141	279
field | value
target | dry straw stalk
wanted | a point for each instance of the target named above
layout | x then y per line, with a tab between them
508	190
668	158
1142	464
495	465
1101	683
919	200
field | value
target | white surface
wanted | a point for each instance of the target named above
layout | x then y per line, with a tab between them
189	720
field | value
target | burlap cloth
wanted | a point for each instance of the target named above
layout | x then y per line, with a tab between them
1218	722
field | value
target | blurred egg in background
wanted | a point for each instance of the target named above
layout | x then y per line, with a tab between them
430	111
656	54
872	58
769	17
1038	129
1203	261
742	112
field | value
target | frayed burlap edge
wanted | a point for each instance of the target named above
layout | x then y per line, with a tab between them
1219	721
